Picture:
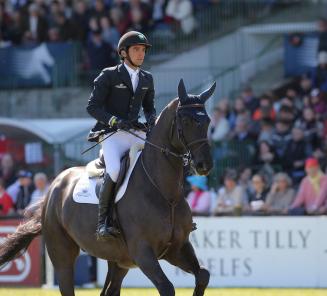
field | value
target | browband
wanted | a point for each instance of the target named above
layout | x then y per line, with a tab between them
191	105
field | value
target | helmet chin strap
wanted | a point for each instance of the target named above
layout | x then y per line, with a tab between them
128	58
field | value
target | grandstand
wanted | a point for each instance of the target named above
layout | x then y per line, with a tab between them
268	119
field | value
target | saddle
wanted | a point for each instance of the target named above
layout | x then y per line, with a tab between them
96	168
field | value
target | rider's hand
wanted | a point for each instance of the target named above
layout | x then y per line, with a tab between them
118	123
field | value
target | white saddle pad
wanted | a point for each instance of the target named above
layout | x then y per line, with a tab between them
84	191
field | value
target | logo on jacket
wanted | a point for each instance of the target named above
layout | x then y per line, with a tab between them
121	85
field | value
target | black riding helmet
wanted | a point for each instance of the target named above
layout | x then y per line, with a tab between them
132	38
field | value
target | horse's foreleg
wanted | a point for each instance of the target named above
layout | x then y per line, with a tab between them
186	260
114	280
148	263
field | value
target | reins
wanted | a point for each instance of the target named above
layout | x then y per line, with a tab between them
187	159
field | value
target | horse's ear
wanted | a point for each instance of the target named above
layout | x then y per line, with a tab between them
182	94
208	93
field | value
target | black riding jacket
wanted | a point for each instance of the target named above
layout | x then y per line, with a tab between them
113	95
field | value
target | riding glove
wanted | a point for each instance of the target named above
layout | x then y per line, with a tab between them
118	123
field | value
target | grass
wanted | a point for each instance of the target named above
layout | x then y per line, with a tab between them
179	292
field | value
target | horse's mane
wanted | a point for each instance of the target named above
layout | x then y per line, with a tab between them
169	109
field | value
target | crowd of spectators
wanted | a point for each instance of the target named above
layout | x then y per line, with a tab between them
256	197
96	24
270	151
20	190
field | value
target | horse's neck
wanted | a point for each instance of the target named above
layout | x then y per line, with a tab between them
166	170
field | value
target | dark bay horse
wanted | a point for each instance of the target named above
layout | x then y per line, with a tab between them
154	217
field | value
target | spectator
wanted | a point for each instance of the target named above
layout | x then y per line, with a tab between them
101	54
137	21
318	102
265	110
13	190
243	142
250	101
286	112
181	11
119	20
219	126
65	27
16	28
7	170
280	195
81	18
281	138
319	76
266	154
54	10
258	197
266	161
158	13
245	181
109	33
41	187
293	95
35	27
5	22
6	203
305	86
25	191
295	156
239	110
99	10
313	129
266	130
139	15
199	198
230	199
312	192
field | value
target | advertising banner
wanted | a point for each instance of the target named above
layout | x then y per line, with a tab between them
26	269
251	252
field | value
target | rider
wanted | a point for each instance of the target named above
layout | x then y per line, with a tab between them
115	102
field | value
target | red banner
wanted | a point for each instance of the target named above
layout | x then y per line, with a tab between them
26	269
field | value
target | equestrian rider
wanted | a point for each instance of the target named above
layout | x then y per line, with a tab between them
115	102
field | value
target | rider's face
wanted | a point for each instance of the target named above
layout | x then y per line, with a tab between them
136	54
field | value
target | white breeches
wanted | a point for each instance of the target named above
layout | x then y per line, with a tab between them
115	147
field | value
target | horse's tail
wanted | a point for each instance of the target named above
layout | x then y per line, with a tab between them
17	243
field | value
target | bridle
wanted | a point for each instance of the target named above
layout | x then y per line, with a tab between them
186	157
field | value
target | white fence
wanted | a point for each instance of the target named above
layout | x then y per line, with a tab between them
252	252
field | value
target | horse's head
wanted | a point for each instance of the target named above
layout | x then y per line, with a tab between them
192	123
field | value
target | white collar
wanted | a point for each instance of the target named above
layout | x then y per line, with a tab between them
130	70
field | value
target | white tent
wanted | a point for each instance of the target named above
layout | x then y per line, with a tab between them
52	131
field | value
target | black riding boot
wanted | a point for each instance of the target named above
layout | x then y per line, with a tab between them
106	207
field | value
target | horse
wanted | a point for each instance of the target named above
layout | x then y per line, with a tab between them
154	217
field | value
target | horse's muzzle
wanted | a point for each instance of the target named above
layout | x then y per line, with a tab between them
203	168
